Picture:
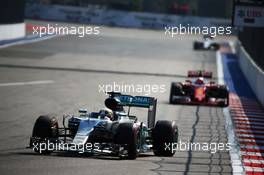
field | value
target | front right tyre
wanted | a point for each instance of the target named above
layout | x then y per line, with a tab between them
176	90
127	135
165	136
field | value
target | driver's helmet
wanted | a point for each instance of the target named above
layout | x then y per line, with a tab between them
199	80
106	113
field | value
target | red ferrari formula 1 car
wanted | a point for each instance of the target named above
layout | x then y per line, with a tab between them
199	92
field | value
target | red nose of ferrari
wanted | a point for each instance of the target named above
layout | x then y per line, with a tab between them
199	93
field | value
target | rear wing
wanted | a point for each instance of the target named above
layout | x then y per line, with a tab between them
135	101
200	73
118	99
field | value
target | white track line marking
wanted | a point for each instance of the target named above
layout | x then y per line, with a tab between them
248	123
28	40
256	141
254	169
235	154
261	119
250	116
247	153
250	127
247	113
250	131
26	83
254	161
250	136
252	147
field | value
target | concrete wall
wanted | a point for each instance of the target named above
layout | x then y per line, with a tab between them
253	73
12	31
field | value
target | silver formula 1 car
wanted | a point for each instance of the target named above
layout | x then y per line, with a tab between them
116	133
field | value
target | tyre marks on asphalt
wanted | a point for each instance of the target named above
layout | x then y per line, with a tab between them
124	73
198	125
187	167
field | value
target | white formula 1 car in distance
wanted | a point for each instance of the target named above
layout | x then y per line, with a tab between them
208	43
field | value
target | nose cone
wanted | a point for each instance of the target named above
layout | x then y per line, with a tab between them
199	94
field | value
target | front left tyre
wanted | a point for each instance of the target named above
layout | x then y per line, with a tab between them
45	128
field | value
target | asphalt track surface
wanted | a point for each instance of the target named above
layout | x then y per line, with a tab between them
76	67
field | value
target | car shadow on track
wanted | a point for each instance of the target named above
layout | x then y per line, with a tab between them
78	155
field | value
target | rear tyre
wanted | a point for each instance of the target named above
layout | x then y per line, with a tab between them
215	47
197	45
45	128
127	135
164	133
176	90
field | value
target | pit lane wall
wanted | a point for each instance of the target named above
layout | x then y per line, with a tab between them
12	24
253	73
102	16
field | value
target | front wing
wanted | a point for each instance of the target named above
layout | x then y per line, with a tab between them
186	100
